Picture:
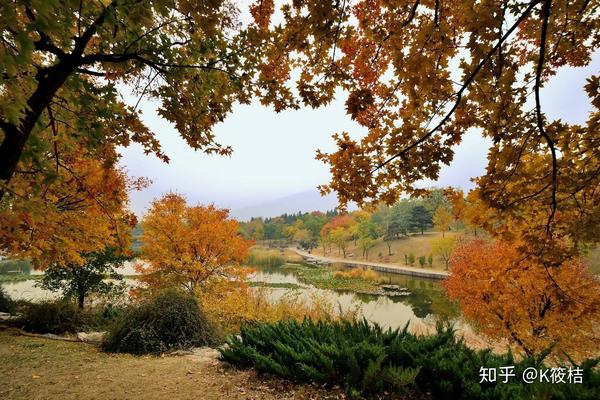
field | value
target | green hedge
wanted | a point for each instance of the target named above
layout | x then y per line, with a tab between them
368	360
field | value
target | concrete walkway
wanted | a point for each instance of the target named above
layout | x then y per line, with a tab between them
390	268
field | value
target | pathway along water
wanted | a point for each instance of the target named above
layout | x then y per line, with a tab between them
380	267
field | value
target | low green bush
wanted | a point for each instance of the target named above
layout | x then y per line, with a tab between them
7	304
369	361
57	316
170	320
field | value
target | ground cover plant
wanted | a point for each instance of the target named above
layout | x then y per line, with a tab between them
368	360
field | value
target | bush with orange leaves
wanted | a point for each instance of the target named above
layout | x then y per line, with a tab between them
511	295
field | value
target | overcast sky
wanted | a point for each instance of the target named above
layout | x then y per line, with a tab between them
274	154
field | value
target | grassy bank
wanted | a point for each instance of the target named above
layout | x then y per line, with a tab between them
417	244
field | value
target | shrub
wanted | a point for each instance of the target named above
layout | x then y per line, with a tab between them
430	260
57	316
7	304
411	259
368	361
170	320
422	261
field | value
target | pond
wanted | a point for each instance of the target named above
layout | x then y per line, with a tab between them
423	303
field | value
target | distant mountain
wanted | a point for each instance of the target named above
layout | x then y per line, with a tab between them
310	200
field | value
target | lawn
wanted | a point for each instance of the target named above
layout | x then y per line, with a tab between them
417	244
37	368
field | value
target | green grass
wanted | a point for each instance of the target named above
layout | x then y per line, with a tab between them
276	285
323	278
18	277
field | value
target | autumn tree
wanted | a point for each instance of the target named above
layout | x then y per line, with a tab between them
254	229
443	247
190	246
82	210
304	239
314	222
509	295
340	237
442	219
398	61
64	64
475	213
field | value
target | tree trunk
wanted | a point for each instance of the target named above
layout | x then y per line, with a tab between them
15	137
389	245
81	300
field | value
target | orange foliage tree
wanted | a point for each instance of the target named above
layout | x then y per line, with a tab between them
190	246
507	294
82	209
338	231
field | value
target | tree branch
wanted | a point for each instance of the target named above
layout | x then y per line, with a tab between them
538	110
465	85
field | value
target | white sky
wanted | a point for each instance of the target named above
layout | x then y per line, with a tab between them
274	153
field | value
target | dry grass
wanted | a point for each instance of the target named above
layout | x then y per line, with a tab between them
236	307
36	368
419	245
366	274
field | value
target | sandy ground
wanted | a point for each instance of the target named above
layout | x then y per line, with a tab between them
38	368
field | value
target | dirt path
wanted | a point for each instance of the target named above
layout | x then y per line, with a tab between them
391	268
37	368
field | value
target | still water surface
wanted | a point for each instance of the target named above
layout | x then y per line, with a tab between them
425	304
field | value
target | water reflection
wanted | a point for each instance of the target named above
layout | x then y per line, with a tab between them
425	303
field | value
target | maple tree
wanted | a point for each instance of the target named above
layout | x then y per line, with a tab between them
190	246
62	62
511	295
81	210
398	62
